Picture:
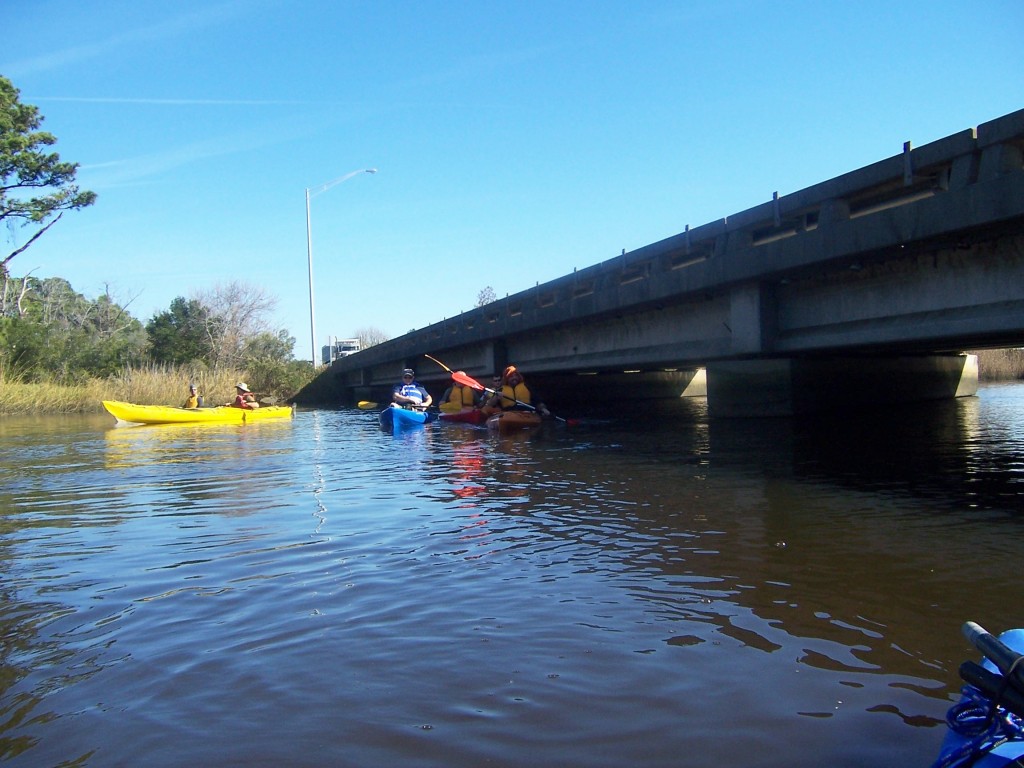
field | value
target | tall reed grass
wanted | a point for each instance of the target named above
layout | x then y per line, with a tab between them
1000	364
150	385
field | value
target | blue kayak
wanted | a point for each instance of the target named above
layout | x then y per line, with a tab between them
985	727
396	417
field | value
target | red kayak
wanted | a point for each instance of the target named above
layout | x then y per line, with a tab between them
465	416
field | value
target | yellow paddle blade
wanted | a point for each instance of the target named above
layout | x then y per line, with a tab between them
366	405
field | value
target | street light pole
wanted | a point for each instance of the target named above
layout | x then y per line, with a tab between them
313	192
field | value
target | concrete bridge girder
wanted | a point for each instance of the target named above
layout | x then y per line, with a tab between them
655	338
928	301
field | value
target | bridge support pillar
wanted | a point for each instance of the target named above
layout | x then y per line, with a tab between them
794	386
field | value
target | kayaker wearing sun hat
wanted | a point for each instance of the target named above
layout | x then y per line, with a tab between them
410	393
244	398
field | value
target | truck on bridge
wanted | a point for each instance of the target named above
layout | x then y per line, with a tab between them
339	348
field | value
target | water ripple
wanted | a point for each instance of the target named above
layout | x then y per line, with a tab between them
447	596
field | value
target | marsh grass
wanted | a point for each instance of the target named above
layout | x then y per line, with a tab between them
150	385
1000	364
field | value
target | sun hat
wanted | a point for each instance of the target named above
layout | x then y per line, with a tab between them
242	386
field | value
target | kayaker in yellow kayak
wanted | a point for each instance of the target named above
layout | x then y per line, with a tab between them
193	400
244	398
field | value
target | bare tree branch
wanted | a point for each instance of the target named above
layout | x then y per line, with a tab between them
36	236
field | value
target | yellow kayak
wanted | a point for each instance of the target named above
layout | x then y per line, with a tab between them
166	414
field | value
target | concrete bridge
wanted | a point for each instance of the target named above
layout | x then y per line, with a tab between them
862	289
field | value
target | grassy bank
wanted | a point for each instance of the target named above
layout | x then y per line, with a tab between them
1000	364
156	385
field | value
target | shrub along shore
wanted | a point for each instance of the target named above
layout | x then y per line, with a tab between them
168	385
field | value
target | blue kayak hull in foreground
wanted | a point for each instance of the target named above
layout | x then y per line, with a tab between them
394	417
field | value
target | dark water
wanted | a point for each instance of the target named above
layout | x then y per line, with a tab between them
654	590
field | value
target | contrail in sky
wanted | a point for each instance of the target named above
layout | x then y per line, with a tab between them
175	102
172	27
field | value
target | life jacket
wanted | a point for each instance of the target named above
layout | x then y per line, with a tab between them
511	394
413	391
462	396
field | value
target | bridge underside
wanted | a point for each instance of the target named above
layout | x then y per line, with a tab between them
861	290
789	387
746	388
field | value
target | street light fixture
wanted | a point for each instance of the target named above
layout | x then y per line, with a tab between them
313	192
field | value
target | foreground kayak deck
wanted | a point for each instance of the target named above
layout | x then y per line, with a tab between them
165	414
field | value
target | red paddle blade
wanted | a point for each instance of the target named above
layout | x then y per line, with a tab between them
467	381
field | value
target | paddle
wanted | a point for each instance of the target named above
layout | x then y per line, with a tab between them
461	377
994	686
439	363
1007	660
465	380
367	405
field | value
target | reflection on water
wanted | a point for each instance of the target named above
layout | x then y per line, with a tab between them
203	467
651	589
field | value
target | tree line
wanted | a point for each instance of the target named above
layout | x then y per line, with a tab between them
50	332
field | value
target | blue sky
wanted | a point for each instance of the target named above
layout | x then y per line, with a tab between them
513	141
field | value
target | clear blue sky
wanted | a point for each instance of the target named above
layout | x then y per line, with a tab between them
514	141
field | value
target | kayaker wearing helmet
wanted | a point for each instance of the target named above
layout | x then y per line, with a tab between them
512	395
244	398
410	393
